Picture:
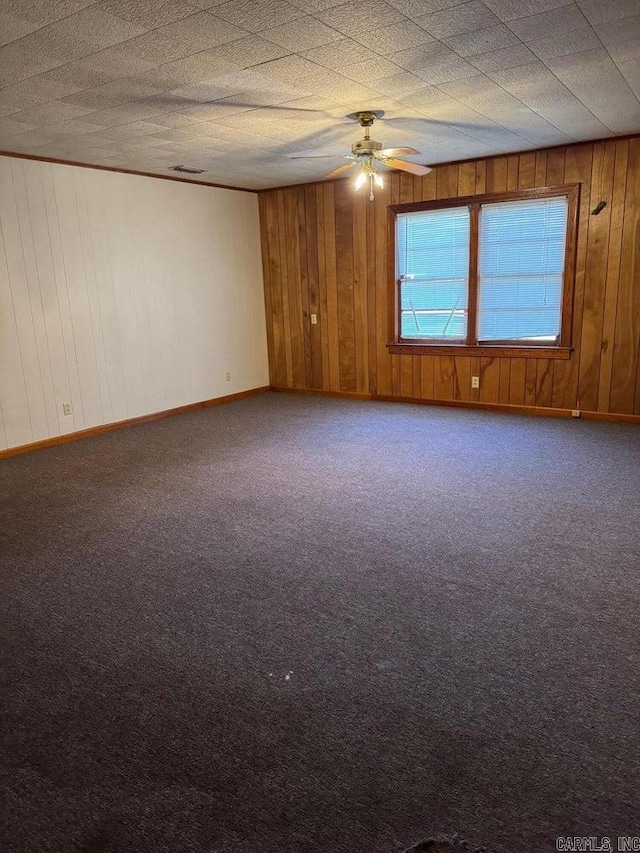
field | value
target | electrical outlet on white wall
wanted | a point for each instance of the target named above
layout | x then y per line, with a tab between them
66	409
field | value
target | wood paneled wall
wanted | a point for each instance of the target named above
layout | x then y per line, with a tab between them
325	252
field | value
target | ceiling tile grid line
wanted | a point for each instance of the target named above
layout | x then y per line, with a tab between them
456	79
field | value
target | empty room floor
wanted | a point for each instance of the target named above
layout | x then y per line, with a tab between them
296	624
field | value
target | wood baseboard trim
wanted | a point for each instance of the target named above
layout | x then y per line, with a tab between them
350	395
612	417
143	419
508	408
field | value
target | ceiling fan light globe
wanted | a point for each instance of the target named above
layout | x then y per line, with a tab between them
378	179
362	177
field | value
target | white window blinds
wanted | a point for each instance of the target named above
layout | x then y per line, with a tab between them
433	268
520	275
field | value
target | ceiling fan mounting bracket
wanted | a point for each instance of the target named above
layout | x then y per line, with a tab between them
366	117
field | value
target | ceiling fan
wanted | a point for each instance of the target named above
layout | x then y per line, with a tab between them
367	153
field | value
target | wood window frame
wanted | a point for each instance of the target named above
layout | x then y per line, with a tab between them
410	346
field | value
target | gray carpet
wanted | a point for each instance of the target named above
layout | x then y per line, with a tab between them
302	625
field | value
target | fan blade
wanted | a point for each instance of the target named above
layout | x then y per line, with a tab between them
395	152
339	170
414	168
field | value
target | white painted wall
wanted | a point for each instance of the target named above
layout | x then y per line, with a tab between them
122	295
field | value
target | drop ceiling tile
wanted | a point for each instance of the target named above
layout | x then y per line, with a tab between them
302	34
51	113
123	114
129	131
18	61
192	69
297	70
565	43
10	127
203	31
509	57
342	90
155	48
35	91
415	8
254	80
202	112
305	109
13	28
27	141
614	33
625	57
88	31
318	5
434	62
538	88
399	36
365	72
202	93
94	71
43	12
376	14
258	15
400	85
251	50
111	94
483	40
424	99
598	12
594	79
340	53
150	13
75	127
459	19
174	135
492	101
510	10
545	24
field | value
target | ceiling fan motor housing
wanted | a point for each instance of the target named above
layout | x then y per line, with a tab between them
365	146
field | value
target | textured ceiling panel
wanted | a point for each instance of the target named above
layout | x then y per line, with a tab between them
510	10
302	34
625	57
43	12
355	20
434	62
507	57
401	35
414	8
12	28
258	15
480	41
596	81
238	87
460	19
562	20
152	13
599	12
614	33
565	43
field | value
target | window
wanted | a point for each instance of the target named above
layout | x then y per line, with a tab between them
486	272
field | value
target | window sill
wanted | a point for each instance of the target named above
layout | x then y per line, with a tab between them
500	351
